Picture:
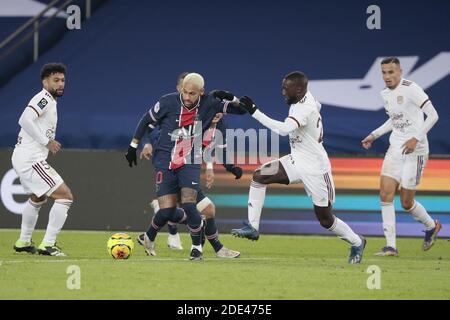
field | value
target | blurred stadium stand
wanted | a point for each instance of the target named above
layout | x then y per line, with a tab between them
131	52
18	52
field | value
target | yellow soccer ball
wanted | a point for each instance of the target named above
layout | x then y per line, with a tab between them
120	246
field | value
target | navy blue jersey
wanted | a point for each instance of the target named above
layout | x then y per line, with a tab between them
180	138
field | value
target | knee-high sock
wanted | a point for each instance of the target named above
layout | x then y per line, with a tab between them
343	231
388	215
171	224
420	214
56	219
29	218
256	197
179	216
159	220
194	222
212	234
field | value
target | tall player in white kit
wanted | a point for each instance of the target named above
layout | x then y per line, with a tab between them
307	163
36	138
405	103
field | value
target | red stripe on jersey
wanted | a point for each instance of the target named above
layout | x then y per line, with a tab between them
187	117
209	136
183	145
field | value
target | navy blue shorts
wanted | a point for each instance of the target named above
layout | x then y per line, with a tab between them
171	181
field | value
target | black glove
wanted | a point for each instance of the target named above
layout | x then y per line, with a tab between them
223	95
131	156
248	104
236	171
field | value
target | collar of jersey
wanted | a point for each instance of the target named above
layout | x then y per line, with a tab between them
198	103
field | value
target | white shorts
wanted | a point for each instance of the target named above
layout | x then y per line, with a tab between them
319	187
37	178
406	169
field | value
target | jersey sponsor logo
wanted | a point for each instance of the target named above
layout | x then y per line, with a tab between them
41	104
364	93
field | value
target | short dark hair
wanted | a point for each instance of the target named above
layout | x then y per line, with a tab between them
50	68
298	77
390	60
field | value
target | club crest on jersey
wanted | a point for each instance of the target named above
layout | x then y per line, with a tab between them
400	99
42	103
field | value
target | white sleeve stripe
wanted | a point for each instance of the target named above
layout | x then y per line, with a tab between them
151	115
225	106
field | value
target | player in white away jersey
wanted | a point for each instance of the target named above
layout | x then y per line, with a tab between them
307	163
405	103
36	138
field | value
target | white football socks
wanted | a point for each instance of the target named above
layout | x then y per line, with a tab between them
256	197
56	220
420	214
29	218
388	215
343	231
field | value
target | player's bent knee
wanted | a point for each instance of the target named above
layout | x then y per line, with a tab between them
407	204
386	196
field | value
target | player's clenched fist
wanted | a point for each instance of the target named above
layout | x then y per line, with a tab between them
248	104
131	156
367	142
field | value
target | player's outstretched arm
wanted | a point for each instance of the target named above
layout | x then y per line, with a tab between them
281	128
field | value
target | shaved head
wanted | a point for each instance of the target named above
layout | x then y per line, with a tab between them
194	79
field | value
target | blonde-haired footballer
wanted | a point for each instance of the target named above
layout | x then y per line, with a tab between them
36	138
405	103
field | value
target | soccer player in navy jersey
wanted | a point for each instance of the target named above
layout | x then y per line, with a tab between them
204	204
178	152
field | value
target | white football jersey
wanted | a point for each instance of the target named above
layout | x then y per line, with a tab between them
306	141
44	105
403	106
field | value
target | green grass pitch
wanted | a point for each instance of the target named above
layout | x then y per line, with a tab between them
274	267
